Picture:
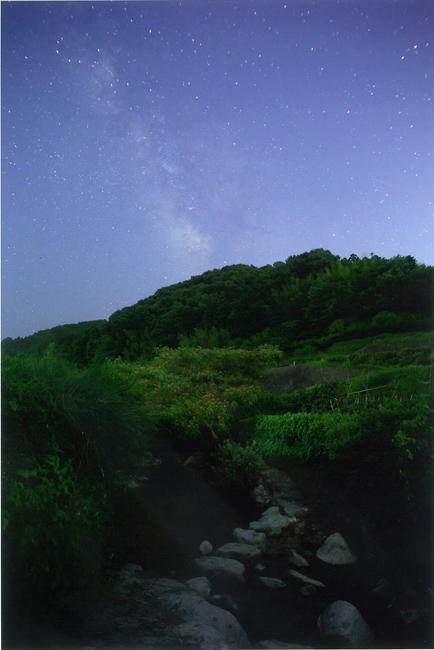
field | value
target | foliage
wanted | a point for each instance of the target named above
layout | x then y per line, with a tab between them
238	467
69	434
305	435
290	304
199	393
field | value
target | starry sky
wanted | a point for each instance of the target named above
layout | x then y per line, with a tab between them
146	142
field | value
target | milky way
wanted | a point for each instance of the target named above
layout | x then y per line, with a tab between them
145	142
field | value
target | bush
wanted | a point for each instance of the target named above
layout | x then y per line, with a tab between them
238	467
305	435
68	436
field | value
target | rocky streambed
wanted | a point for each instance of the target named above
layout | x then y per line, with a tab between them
283	578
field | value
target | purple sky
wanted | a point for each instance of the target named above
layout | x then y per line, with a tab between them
145	142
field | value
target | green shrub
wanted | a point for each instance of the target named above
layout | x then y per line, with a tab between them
237	466
305	435
68	437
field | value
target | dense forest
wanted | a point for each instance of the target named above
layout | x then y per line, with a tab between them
85	408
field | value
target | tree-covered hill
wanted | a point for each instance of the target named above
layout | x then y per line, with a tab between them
315	295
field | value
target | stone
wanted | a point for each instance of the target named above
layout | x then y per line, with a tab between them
296	559
151	612
204	625
303	578
201	585
260	567
261	495
291	509
272	583
246	536
271	522
222	571
205	547
342	622
335	550
238	551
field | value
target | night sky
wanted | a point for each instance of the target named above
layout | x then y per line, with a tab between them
145	142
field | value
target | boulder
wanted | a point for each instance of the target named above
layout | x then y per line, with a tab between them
272	583
203	625
296	559
205	547
342	622
303	578
238	551
201	585
271	522
246	536
335	550
144	611
223	572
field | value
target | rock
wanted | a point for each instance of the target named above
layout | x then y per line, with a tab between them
261	495
222	571
296	559
201	585
303	578
335	550
203	625
342	622
272	583
271	522
237	551
291	509
260	567
205	547
246	536
150	612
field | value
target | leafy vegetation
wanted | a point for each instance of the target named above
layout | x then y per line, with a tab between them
70	438
83	404
315	298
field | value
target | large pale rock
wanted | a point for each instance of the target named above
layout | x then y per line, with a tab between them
342	622
238	551
150	612
202	624
271	522
335	550
222	571
246	536
201	585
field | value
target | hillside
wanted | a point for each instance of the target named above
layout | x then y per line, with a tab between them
315	295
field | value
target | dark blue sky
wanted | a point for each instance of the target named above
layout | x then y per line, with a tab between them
145	142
